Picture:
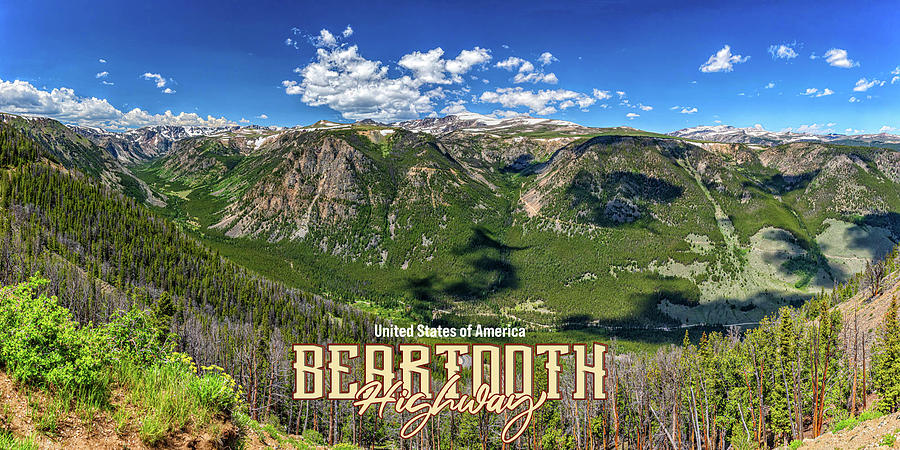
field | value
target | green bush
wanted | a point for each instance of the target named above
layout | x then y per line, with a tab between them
41	345
134	335
869	415
554	438
313	437
851	422
217	389
845	424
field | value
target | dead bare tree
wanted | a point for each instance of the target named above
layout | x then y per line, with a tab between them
874	276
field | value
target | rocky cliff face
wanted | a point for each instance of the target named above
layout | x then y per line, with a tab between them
319	184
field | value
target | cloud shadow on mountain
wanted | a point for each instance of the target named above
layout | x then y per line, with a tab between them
620	197
487	273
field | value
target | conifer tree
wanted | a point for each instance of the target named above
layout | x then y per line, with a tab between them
886	361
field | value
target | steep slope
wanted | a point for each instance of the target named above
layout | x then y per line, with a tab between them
463	217
73	151
104	253
112	385
468	223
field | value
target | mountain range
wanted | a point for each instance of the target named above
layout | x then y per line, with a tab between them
518	220
141	144
760	136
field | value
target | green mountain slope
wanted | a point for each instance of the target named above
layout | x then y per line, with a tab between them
606	232
73	151
594	236
102	252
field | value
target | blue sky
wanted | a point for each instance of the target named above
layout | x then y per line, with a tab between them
596	63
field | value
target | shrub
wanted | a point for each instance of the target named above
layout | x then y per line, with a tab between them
217	389
41	344
846	423
134	335
313	437
851	422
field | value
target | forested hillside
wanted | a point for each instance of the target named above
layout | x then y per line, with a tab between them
103	253
561	228
800	372
71	150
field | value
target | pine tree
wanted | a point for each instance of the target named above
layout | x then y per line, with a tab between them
886	361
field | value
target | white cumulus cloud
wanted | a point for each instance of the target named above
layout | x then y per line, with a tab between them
837	57
103	74
468	59
456	107
510	63
863	85
723	61
291	87
535	77
547	58
813	128
527	73
601	95
632	115
21	97
815	92
687	110
542	102
358	88
430	67
326	39
159	79
782	51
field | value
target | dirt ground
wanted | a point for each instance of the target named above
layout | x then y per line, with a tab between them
19	410
868	434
